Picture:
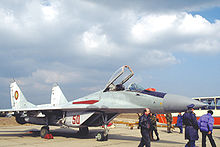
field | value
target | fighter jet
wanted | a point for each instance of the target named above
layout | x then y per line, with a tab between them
96	109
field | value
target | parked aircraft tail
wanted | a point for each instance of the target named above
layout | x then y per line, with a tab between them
57	96
18	101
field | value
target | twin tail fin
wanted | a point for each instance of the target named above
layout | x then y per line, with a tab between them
18	101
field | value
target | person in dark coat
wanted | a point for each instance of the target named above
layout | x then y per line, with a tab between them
206	126
145	125
191	129
179	123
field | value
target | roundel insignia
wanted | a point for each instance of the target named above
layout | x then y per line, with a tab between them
16	95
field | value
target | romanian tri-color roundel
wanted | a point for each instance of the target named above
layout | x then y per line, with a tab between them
16	95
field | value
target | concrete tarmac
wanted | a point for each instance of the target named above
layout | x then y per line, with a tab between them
120	136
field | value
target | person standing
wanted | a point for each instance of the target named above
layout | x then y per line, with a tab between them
206	126
191	129
145	125
169	122
154	127
179	123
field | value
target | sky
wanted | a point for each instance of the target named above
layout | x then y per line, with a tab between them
173	46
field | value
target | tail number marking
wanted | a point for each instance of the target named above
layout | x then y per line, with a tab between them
76	119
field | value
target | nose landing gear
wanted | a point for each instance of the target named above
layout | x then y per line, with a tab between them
103	136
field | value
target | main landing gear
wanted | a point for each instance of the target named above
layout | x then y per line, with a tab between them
103	136
44	131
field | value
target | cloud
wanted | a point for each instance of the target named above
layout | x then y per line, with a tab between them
149	27
157	58
44	79
55	76
179	32
44	32
49	12
193	24
95	42
159	6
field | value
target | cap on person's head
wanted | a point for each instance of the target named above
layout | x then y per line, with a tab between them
210	111
190	106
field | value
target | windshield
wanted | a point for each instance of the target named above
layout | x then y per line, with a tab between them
135	87
122	75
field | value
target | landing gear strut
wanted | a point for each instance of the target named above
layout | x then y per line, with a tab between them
103	136
44	131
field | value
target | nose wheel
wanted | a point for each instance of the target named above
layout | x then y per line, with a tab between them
103	136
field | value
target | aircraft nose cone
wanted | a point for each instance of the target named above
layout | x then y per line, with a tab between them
177	103
198	104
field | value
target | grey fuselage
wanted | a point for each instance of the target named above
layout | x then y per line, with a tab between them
135	102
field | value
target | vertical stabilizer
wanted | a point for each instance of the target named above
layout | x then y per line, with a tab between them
57	96
18	101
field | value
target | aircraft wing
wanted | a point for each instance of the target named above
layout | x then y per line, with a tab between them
77	108
65	108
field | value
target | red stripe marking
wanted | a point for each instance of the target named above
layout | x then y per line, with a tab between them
162	119
86	102
216	120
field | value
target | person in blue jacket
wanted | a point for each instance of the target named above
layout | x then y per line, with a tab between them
191	126
179	123
206	126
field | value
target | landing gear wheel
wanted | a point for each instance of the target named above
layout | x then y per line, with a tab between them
101	136
44	131
83	131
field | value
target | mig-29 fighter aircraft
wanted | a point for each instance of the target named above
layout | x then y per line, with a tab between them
96	109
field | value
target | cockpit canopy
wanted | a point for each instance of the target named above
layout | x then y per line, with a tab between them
121	76
118	79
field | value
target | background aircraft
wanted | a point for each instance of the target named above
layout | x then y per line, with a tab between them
96	109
